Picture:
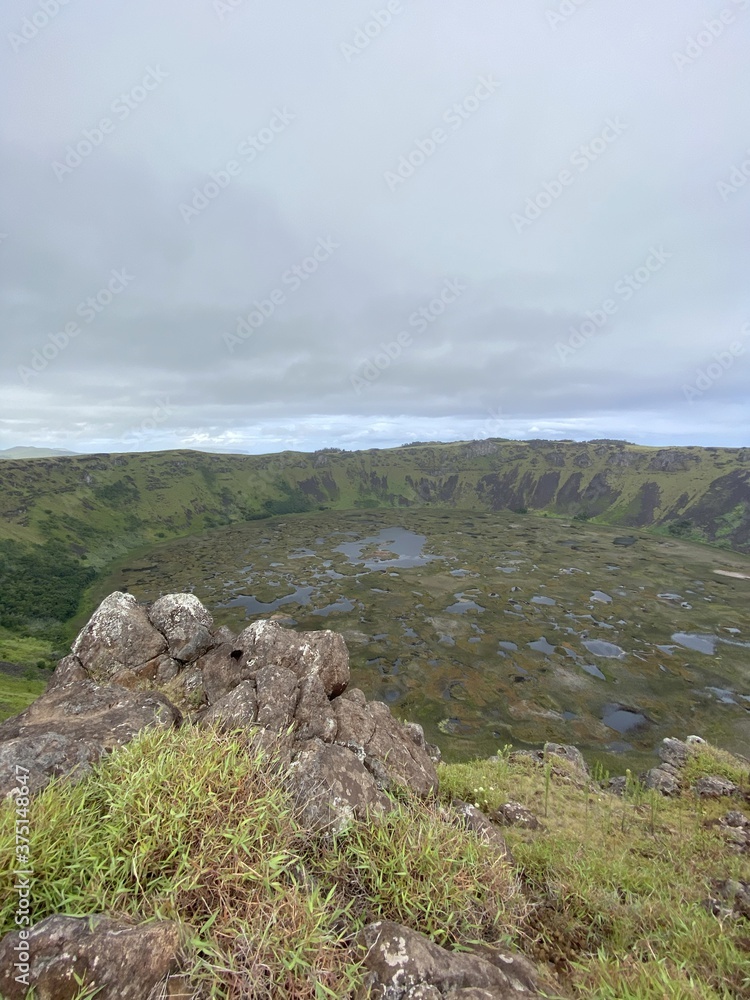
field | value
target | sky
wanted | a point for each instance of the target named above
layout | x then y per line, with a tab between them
260	225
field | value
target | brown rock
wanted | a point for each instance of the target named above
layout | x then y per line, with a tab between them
118	636
354	722
100	717
324	653
68	670
118	960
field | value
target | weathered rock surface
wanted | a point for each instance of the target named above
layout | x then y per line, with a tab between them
323	653
185	624
73	724
120	961
118	636
515	814
405	965
235	710
332	787
471	818
714	787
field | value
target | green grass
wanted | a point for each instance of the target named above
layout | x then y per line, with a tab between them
16	693
194	826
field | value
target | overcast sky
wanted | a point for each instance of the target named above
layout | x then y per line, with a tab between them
257	225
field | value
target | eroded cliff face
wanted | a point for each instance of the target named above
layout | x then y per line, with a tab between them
111	503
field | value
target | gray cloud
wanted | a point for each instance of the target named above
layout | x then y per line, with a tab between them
208	149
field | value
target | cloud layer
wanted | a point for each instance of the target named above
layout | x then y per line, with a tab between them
250	226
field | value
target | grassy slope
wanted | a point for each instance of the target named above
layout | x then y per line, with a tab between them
194	826
106	505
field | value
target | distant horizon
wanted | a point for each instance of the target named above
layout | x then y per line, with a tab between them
62	452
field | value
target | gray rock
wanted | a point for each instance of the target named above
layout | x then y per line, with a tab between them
221	672
185	624
354	722
405	763
323	653
236	710
118	636
713	787
474	819
43	737
314	714
331	788
120	961
515	814
277	689
570	753
662	779
673	752
398	960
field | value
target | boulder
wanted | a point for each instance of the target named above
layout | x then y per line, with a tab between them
471	818
400	961
663	779
514	814
117	960
386	741
323	653
713	787
570	753
673	752
185	624
332	787
68	670
236	710
118	636
44	738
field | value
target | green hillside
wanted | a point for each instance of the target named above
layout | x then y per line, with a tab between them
64	518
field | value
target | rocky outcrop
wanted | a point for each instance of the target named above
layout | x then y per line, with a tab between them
119	636
668	777
402	964
73	724
167	661
118	961
332	787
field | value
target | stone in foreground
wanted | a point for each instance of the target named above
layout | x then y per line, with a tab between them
119	960
402	964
